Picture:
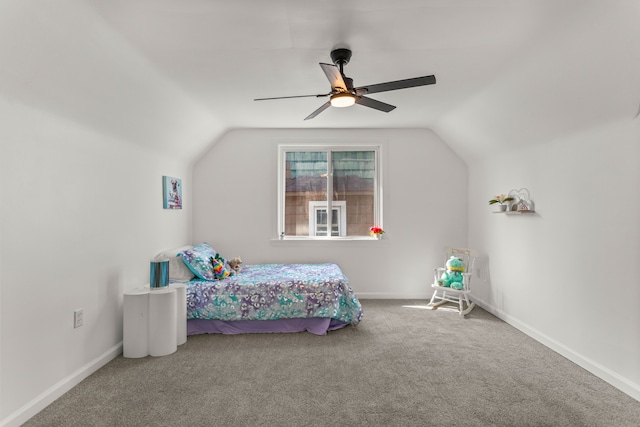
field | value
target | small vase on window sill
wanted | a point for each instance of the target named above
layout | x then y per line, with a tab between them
376	232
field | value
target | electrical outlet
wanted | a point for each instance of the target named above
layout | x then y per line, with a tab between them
78	317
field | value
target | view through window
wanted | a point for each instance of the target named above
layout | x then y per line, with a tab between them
342	181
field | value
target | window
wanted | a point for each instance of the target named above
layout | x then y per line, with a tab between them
318	218
316	180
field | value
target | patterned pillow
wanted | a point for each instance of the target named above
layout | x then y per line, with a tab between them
198	259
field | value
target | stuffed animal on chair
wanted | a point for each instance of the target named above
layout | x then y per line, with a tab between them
452	278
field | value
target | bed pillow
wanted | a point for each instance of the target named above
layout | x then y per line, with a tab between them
198	259
178	271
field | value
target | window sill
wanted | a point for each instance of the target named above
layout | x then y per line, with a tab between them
315	241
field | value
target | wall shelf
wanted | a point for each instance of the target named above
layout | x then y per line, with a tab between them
514	212
521	203
517	212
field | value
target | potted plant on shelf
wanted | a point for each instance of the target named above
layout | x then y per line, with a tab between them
376	232
500	200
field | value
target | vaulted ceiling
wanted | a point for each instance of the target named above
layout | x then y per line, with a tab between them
509	72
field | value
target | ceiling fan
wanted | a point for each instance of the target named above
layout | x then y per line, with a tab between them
343	94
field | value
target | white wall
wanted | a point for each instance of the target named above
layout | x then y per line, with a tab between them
566	275
88	127
81	217
424	185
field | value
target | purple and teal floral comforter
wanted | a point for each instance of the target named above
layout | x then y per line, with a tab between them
275	291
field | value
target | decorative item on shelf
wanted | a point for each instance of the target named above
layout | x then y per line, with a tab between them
522	202
500	200
159	274
377	232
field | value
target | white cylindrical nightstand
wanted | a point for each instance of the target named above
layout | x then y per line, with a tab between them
181	311
154	321
162	321
135	334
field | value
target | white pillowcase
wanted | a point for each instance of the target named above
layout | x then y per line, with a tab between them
178	271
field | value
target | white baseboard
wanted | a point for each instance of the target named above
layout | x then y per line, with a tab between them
602	372
36	405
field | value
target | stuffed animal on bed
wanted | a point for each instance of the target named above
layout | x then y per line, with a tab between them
236	264
226	264
219	270
452	278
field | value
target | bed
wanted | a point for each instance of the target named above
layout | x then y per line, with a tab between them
263	298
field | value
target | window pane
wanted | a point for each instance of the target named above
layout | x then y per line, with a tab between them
353	182
321	222
335	228
305	181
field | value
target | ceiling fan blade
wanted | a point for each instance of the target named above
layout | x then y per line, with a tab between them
372	103
398	84
295	96
318	111
334	76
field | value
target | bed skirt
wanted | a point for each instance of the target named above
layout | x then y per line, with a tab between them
316	325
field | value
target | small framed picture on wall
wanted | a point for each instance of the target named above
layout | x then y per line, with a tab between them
171	192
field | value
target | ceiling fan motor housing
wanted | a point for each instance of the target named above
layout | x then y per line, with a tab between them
341	57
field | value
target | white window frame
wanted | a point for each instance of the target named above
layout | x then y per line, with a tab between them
339	206
283	149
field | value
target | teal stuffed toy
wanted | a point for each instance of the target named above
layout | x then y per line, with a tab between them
452	278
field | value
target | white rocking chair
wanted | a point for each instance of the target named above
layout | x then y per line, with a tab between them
442	294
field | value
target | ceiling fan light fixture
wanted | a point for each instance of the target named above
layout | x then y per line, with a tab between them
344	93
342	100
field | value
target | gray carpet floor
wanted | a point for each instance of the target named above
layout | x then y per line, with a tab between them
402	366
